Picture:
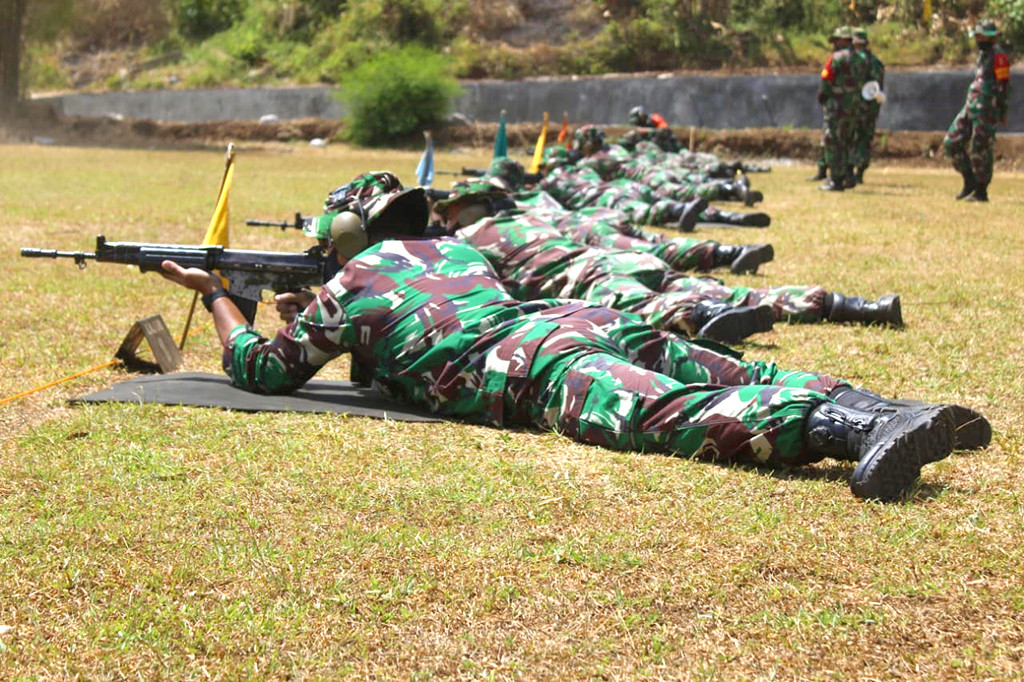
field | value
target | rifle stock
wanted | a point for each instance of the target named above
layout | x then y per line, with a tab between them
248	273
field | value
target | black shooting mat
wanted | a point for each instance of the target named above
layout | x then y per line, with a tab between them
198	389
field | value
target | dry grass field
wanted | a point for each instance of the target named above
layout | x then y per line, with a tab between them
148	541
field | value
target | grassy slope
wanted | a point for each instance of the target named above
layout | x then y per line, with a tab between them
190	542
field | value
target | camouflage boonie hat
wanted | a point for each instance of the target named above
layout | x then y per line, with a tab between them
986	28
588	133
469	189
860	36
842	33
396	213
555	157
362	187
508	170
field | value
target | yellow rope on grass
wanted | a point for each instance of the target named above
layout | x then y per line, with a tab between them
79	374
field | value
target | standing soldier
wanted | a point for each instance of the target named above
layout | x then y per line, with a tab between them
975	125
864	131
837	93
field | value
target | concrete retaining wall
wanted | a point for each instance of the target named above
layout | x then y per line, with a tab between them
917	100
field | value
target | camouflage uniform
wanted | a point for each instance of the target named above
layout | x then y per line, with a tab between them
576	189
838	93
536	259
867	115
432	325
972	135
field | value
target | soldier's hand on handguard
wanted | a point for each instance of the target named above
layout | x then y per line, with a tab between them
191	278
290	303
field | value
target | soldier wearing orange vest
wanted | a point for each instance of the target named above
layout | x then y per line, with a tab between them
972	136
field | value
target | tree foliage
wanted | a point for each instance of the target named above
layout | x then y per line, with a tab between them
397	93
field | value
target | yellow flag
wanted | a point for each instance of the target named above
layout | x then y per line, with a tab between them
217	232
927	12
538	151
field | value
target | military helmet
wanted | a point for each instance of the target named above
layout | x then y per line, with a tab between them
860	36
588	133
378	215
637	115
842	33
466	190
508	170
555	157
986	28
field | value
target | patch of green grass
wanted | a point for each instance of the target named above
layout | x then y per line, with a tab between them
175	542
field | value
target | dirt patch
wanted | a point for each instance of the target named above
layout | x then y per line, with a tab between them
38	123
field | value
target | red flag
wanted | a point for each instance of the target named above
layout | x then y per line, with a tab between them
563	134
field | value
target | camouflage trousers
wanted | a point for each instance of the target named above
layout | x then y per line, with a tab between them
637	210
863	136
794	304
837	139
627	282
969	143
681	254
601	378
677	188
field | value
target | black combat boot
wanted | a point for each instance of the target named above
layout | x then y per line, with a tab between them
742	219
740	191
832	186
973	432
969	185
889	448
741	259
840	308
727	324
687	214
820	175
859	176
980	193
850	181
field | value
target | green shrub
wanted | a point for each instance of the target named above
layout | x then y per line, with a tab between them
198	19
397	93
1010	13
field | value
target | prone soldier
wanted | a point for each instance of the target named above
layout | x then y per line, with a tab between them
432	325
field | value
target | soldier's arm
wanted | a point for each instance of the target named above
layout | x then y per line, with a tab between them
828	76
1001	71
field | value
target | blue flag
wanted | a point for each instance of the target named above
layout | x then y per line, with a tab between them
500	140
425	168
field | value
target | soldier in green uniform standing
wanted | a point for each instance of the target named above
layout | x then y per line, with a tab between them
868	110
838	91
972	135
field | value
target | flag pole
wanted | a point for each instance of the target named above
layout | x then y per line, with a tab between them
228	158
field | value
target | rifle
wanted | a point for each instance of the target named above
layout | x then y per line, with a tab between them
295	224
248	273
468	172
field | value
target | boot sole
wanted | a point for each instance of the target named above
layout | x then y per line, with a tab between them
973	432
755	220
738	324
691	215
894	463
752	259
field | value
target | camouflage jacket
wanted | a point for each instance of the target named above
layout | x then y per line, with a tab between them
988	95
429	320
841	79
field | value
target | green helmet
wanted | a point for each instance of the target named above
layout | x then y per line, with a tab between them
508	170
842	33
395	214
555	157
860	36
588	133
469	190
986	28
